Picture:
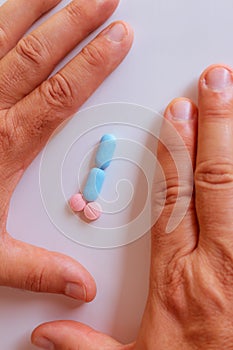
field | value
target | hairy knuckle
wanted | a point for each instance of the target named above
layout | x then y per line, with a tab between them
94	56
58	92
214	174
32	49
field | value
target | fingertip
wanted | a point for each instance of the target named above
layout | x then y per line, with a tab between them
91	291
181	110
57	333
103	8
40	337
71	335
119	32
212	72
130	35
48	5
79	283
44	271
116	41
109	6
129	29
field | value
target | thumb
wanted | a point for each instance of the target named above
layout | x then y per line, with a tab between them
72	335
27	267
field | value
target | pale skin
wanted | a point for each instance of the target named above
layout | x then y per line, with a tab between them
191	280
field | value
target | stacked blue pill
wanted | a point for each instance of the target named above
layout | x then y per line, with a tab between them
94	184
105	151
96	176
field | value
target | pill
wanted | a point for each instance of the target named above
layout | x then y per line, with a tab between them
105	151
77	202
94	184
92	211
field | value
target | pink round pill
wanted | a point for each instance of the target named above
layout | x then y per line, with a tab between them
92	211
77	203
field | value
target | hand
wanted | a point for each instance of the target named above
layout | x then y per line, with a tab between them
32	107
191	282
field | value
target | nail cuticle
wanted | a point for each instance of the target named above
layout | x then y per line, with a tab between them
116	32
218	79
76	291
182	111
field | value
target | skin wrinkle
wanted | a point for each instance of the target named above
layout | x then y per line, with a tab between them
190	297
26	124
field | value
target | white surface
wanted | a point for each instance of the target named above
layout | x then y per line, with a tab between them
174	41
69	157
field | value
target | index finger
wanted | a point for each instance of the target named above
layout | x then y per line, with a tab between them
214	169
34	118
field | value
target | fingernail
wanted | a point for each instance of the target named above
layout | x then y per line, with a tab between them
182	110
116	32
44	343
76	291
218	78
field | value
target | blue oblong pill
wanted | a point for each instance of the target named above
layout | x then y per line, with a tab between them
94	184
105	151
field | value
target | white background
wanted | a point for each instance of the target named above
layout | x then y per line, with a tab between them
174	41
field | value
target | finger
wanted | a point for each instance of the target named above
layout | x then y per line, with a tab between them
38	115
35	269
63	335
173	187
36	55
16	17
214	171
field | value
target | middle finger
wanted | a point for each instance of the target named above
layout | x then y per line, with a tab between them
214	170
36	55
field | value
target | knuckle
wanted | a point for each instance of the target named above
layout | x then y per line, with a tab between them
31	49
218	111
58	92
10	152
214	174
35	281
94	56
4	40
7	138
169	191
74	11
174	145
